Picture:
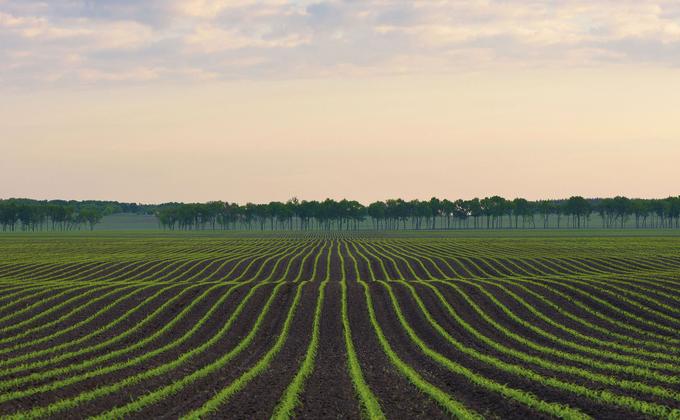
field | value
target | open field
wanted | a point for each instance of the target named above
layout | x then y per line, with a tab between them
487	324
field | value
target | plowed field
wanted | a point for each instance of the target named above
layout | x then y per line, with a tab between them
339	326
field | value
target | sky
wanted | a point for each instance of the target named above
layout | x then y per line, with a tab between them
243	100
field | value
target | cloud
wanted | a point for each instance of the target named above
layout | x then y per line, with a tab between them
317	38
209	39
36	27
137	75
213	8
201	8
92	34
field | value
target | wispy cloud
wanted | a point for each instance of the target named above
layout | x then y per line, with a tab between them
210	39
100	41
213	8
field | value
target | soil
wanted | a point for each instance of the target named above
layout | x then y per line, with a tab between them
194	267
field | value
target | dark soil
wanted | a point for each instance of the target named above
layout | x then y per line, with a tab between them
194	265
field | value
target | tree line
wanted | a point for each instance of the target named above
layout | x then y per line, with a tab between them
486	213
394	214
21	214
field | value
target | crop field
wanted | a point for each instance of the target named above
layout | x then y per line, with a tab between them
339	325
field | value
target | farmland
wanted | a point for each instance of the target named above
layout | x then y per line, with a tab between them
340	324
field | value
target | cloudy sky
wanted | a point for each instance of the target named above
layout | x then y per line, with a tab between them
260	100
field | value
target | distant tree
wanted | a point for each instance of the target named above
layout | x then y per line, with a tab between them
91	215
673	211
476	210
463	209
640	209
435	210
545	208
521	208
377	211
579	209
435	213
448	209
622	207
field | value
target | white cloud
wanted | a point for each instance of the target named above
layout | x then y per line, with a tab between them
36	27
212	8
140	74
537	23
209	39
201	8
122	34
93	34
317	38
9	21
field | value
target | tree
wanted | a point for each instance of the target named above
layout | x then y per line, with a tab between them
33	215
435	210
448	210
377	211
621	206
579	209
91	215
545	209
521	207
640	209
476	210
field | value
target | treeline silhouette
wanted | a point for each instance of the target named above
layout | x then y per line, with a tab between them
22	214
487	213
395	214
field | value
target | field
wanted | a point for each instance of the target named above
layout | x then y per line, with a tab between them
340	325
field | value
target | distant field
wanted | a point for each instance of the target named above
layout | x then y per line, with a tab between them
399	325
129	221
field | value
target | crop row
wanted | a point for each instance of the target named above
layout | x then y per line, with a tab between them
194	326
